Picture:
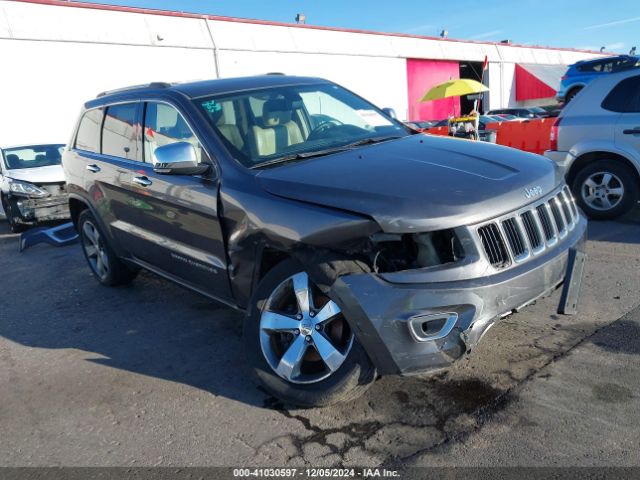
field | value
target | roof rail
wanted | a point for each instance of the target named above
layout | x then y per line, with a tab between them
134	87
274	73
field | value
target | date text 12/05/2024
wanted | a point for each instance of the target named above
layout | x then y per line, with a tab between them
315	473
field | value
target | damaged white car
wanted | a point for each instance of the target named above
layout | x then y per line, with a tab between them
33	185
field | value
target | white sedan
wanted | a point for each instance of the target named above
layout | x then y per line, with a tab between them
33	185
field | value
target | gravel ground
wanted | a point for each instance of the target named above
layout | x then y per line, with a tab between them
154	375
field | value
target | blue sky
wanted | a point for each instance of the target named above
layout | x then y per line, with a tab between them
562	23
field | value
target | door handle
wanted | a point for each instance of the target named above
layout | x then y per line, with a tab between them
634	131
142	181
93	168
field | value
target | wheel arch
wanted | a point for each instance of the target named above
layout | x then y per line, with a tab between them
574	88
586	158
76	207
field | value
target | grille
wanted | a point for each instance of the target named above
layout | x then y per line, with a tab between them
535	240
555	210
54	189
494	246
508	240
545	221
514	237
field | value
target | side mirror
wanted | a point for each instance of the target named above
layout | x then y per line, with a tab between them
177	159
390	112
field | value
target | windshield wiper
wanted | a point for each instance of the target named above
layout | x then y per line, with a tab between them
368	141
327	151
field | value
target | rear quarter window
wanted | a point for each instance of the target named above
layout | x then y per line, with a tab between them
88	137
624	97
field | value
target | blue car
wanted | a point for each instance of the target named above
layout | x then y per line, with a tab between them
580	74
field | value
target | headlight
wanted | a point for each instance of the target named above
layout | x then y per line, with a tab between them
397	252
27	189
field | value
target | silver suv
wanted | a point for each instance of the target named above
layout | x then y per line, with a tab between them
355	245
596	141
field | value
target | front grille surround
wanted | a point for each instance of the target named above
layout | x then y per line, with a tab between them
530	231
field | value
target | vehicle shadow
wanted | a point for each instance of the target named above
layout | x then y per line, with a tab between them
155	329
622	230
151	327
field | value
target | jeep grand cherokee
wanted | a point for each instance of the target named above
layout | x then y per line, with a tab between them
355	245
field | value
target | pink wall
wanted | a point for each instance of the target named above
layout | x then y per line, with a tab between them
421	76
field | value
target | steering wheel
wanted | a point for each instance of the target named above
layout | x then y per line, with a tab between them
323	127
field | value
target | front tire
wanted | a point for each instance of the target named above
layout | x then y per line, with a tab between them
606	189
14	226
300	345
103	262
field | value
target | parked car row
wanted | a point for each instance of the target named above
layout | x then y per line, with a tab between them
525	113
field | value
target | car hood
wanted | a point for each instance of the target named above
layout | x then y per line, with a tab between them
418	183
38	175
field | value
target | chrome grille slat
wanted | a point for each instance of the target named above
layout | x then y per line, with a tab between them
572	203
545	220
514	237
494	245
528	232
565	207
531	227
557	216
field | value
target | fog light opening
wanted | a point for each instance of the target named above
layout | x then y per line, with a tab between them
425	328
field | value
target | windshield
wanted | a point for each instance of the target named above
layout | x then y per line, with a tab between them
267	126
32	156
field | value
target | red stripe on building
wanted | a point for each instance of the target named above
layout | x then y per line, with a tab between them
171	13
530	87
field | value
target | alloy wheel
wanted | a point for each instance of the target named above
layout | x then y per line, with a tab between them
95	250
602	191
303	334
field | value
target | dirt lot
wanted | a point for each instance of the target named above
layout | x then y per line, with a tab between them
154	375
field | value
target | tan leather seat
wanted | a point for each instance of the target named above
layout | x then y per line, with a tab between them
278	130
231	132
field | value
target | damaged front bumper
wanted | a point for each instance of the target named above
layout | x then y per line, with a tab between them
416	327
32	211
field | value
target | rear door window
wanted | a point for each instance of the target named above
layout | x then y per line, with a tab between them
120	133
591	67
88	137
624	97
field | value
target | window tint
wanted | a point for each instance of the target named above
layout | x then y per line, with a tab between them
164	125
88	137
625	96
119	133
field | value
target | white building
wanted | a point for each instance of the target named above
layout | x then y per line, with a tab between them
56	55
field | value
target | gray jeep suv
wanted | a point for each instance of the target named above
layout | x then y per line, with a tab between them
355	245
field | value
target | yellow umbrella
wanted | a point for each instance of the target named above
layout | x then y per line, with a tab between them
454	88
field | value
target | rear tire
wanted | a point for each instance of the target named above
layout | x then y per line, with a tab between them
277	326
103	261
571	95
606	189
